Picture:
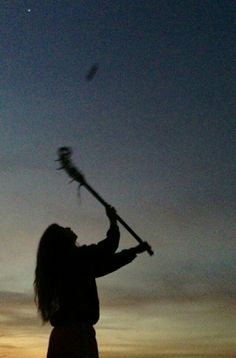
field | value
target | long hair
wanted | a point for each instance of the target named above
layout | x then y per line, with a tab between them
53	255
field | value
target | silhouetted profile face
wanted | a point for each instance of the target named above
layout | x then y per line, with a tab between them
56	242
69	234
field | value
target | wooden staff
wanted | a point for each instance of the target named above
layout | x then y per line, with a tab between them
64	154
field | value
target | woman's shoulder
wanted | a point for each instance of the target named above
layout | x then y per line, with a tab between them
86	251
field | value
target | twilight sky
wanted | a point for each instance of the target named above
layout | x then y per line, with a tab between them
154	133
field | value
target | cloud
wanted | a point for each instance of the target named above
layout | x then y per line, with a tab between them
162	318
17	310
136	299
175	286
22	334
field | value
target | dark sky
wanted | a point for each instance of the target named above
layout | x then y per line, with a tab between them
154	132
166	82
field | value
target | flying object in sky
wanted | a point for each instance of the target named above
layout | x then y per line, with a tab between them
92	72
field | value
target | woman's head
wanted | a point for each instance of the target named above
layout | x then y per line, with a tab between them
54	254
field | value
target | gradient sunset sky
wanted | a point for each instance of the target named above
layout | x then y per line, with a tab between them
154	133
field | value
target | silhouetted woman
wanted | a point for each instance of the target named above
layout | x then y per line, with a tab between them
65	286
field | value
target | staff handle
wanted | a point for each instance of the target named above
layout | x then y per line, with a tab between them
118	218
75	174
